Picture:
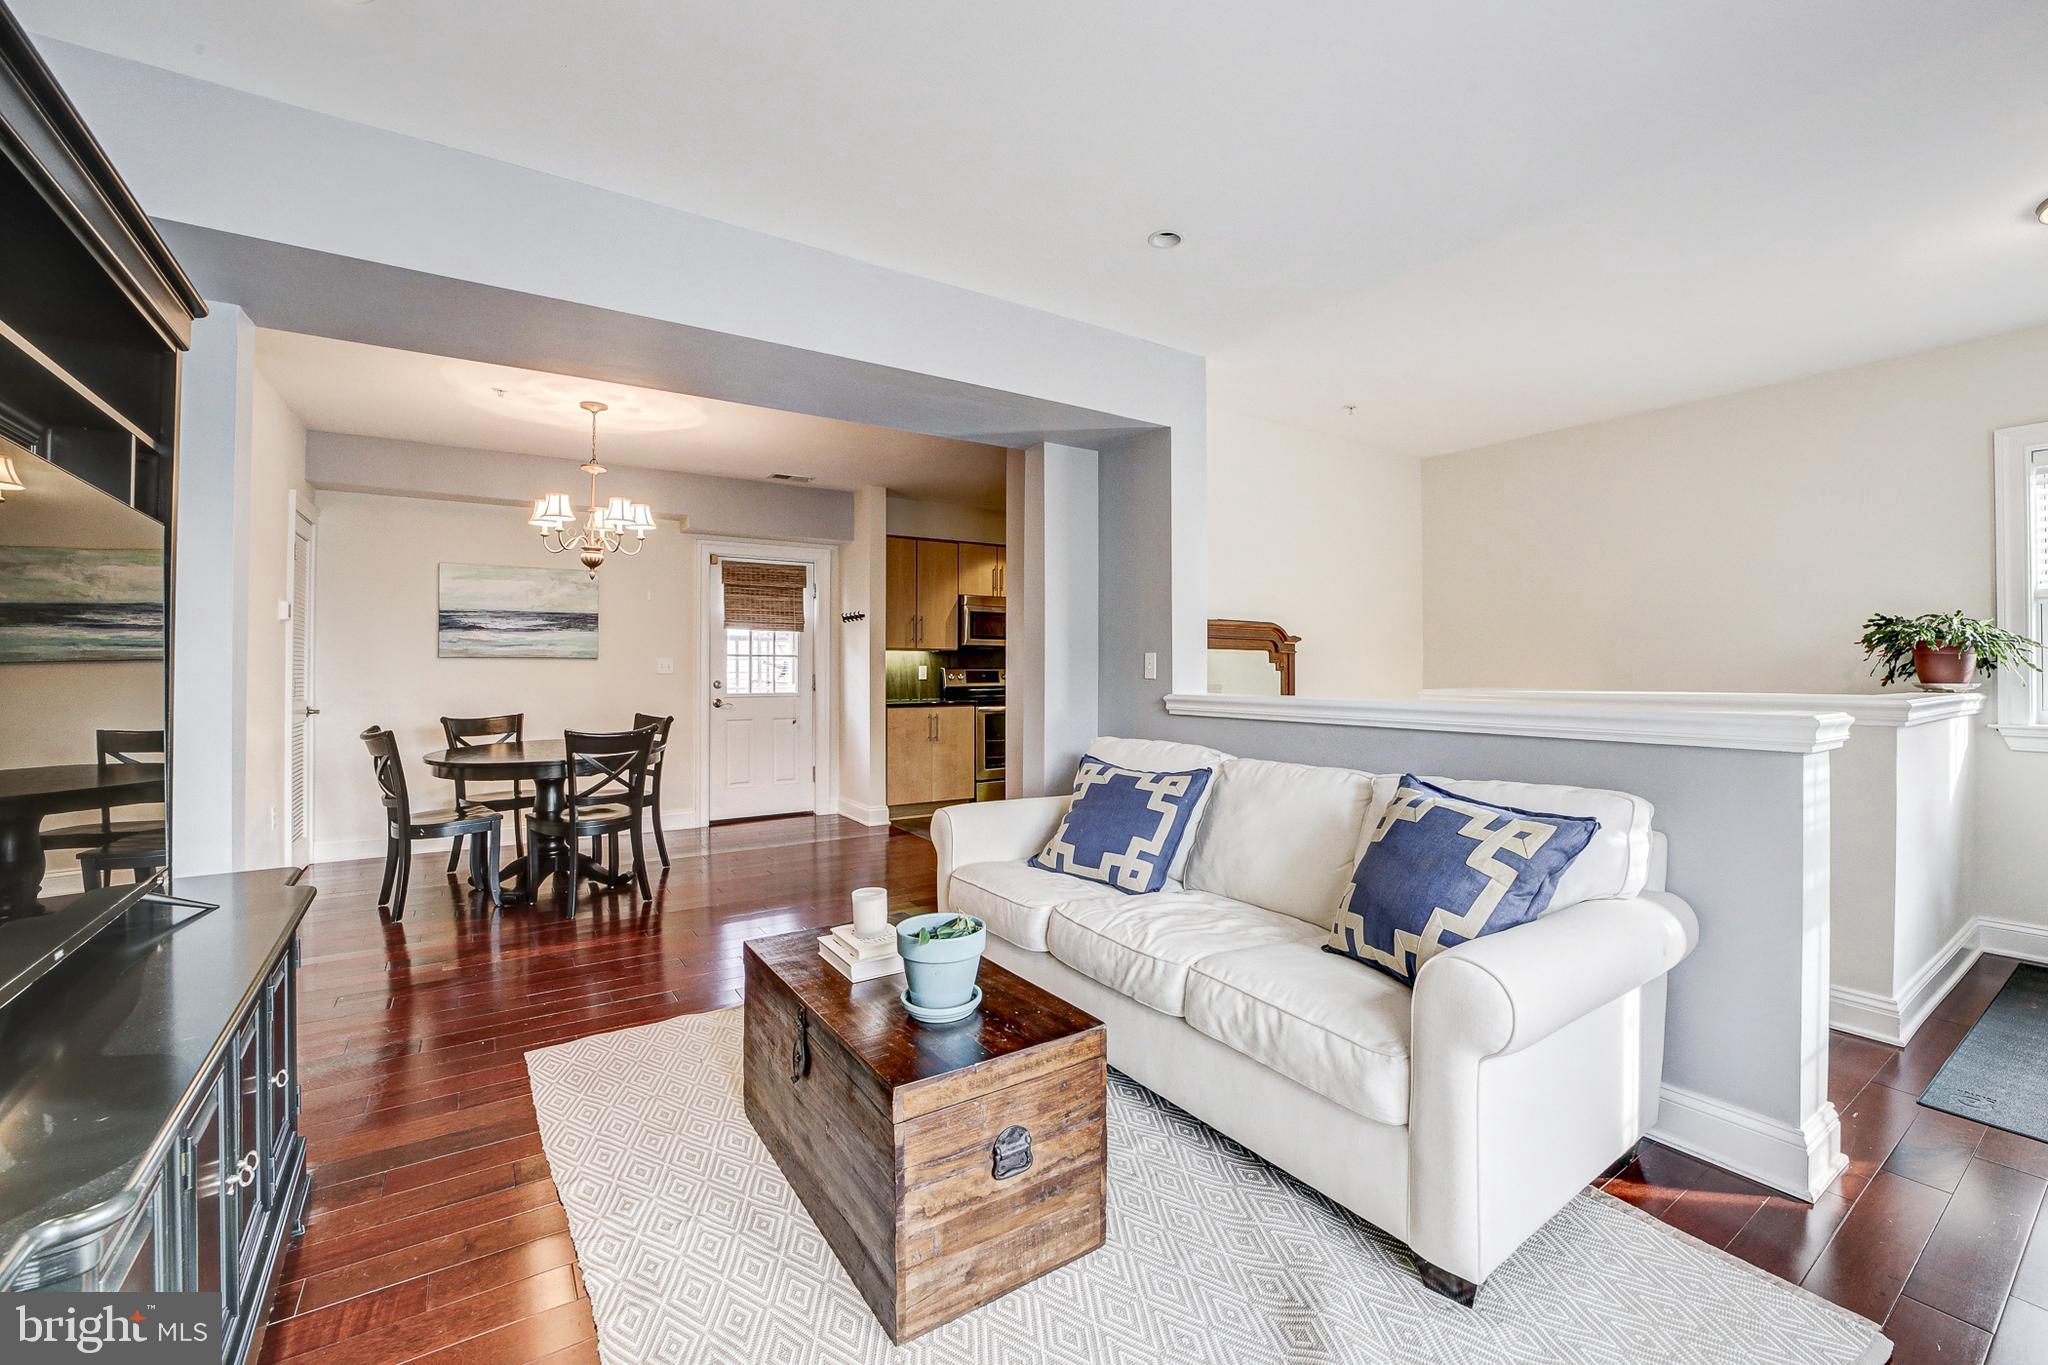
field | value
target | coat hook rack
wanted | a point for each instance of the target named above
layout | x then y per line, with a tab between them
849	617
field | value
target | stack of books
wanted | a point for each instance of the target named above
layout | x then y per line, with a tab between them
861	957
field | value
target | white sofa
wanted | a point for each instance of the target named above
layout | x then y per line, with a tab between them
1459	1116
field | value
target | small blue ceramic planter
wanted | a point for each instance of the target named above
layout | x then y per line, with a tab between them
941	972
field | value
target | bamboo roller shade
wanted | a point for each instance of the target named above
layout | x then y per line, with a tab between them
763	596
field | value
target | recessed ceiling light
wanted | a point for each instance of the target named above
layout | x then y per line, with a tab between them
792	478
1164	240
2041	210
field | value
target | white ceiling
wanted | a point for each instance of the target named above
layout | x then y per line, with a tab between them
358	390
1471	219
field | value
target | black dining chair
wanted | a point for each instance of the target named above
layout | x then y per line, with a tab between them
115	747
464	732
402	825
142	854
603	797
660	725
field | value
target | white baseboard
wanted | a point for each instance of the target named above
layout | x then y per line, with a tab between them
863	814
2007	938
1895	1019
1801	1161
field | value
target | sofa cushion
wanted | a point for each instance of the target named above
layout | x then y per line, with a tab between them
1443	869
1314	1018
1165	756
1281	835
1615	863
1125	825
1143	946
1016	899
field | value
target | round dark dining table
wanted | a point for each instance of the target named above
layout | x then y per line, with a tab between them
545	764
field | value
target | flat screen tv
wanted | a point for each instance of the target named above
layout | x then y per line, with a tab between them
84	588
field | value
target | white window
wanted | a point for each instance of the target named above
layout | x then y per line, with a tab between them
760	663
2022	509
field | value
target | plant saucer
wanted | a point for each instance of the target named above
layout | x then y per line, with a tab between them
945	1016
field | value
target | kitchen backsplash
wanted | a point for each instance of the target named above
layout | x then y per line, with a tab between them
903	683
901	665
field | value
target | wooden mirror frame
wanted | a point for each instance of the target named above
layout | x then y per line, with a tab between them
1265	636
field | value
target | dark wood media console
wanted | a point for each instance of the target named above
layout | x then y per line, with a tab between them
149	1106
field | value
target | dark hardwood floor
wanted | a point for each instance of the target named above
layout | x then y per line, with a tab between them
434	1233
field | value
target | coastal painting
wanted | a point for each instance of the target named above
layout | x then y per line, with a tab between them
494	611
63	605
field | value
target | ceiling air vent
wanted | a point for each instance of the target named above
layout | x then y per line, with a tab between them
791	478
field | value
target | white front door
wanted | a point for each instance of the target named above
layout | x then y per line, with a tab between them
763	712
299	674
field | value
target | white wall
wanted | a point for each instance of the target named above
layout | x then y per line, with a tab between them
375	621
210	625
863	691
1324	536
1738	543
944	520
1734	543
277	468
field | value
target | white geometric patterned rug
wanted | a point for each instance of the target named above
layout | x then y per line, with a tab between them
695	1249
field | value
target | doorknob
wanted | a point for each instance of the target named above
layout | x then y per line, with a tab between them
312	710
718	701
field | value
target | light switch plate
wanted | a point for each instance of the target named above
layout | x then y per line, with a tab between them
664	665
924	671
1151	665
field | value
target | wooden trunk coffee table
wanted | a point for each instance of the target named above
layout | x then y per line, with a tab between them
945	1164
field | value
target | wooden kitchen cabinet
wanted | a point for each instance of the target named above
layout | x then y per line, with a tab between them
953	755
901	610
981	569
910	754
923	589
931	754
938	594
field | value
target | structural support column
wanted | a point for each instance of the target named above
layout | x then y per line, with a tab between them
1053	612
210	649
863	721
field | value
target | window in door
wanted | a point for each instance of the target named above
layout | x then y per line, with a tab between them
760	663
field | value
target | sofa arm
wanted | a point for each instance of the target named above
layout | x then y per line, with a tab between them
1505	991
994	831
1521	1083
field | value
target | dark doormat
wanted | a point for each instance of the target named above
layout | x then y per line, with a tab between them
1998	1074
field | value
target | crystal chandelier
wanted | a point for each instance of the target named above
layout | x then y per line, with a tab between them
605	527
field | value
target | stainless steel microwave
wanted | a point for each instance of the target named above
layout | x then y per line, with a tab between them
981	621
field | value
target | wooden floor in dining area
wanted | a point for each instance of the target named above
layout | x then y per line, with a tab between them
434	1232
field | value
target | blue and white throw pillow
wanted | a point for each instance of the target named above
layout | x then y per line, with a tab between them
1442	869
1124	826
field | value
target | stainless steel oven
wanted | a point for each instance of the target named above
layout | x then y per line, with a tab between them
989	724
984	687
981	621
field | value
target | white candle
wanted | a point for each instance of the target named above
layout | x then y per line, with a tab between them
870	909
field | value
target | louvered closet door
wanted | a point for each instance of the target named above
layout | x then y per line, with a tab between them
299	826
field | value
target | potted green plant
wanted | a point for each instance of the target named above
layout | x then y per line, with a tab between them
1942	649
941	957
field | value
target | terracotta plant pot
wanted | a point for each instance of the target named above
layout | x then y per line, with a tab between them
1946	666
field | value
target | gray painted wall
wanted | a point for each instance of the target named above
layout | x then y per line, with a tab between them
715	506
1736	819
